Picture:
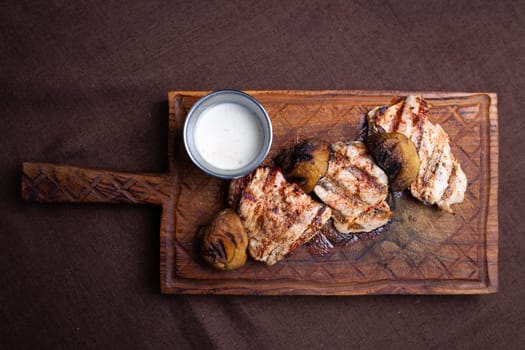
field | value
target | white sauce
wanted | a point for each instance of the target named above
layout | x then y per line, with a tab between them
228	136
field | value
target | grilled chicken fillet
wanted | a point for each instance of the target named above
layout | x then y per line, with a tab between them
278	216
440	179
355	188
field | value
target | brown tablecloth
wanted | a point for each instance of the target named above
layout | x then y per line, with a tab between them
85	83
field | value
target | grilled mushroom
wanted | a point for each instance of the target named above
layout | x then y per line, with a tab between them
224	242
305	163
397	156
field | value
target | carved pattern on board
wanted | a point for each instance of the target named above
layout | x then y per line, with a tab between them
43	182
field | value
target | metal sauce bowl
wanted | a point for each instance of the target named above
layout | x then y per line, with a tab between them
227	96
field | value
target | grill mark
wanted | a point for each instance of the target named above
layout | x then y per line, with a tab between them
341	219
432	165
380	213
230	237
249	196
422	115
397	117
423	106
418	182
451	182
377	209
366	177
269	257
317	222
339	190
220	250
270	177
413	115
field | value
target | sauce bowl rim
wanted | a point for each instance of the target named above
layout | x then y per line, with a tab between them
265	123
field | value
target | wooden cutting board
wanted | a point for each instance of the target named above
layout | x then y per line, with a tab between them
423	251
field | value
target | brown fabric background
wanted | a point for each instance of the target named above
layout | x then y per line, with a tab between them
85	83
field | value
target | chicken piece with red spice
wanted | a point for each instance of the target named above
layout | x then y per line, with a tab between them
278	216
440	179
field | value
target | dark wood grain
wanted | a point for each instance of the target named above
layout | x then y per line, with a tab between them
423	251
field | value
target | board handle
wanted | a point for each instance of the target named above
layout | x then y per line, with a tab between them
45	182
